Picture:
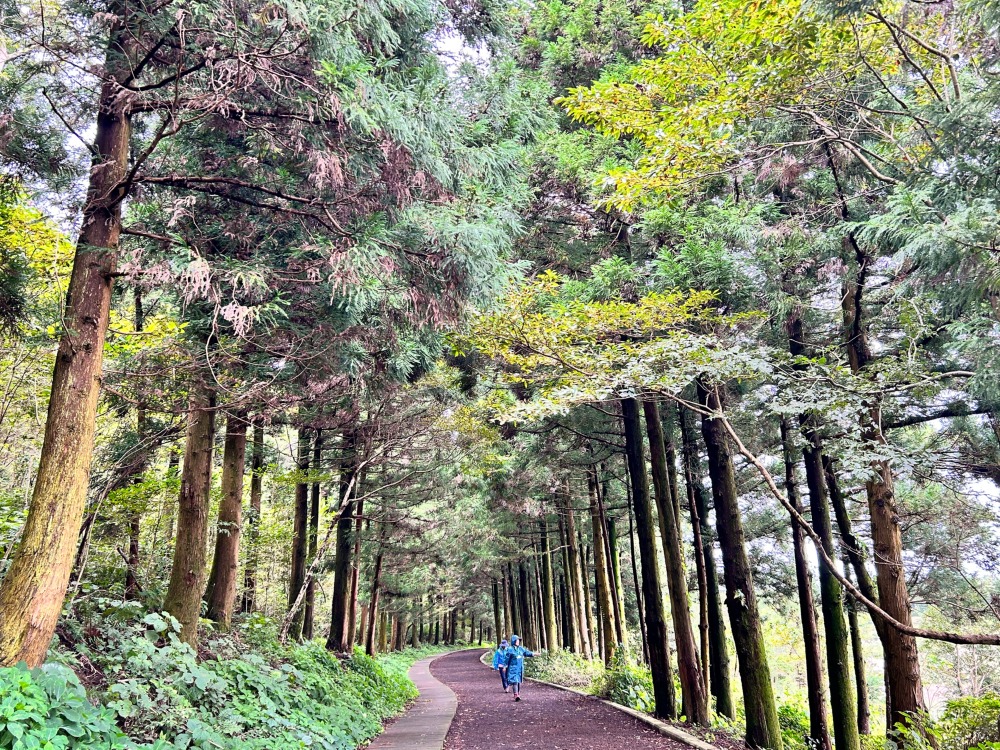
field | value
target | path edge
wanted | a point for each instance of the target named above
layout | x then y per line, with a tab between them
662	727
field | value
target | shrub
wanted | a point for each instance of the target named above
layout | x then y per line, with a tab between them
971	723
47	709
249	693
564	668
794	723
627	683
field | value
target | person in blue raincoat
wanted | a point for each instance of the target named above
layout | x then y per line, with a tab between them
500	663
516	655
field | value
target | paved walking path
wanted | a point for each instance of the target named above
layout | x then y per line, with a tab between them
545	719
425	724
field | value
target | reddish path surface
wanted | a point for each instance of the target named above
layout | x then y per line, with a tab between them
545	719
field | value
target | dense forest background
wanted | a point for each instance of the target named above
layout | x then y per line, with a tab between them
662	334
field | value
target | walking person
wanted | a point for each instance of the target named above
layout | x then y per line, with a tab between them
516	655
500	663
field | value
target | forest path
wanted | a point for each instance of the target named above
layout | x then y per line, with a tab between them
426	722
545	719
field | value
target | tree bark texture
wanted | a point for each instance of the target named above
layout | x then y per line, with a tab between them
652	591
693	701
33	590
714	624
187	575
253	519
300	533
221	594
763	730
819	731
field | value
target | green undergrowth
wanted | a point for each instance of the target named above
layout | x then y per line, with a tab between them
121	679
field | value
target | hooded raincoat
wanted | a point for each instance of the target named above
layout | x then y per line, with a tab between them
516	655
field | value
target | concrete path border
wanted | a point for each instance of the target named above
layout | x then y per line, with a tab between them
667	730
426	722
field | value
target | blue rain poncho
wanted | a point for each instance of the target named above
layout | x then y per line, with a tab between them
500	656
516	655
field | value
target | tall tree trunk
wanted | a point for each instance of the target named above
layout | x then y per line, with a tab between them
187	575
576	577
300	533
693	699
763	730
548	590
524	599
538	601
616	578
843	707
139	466
635	582
33	590
842	702
572	610
339	639
610	564
564	614
905	694
714	624
819	731
858	655
588	603
309	614
605	603
508	615
652	591
221	594
253	519
352	605
497	618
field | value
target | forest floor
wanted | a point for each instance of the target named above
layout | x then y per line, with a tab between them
545	719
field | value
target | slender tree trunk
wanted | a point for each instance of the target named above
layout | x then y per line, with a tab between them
33	590
842	702
693	699
858	654
508	615
611	564
253	519
309	614
635	583
548	590
699	557
221	595
497	618
587	598
539	600
141	429
564	614
300	533
605	603
714	624
652	591
352	609
819	731
383	633
187	575
905	694
524	599
572	609
763	730
616	577
363	626
843	707
339	639
576	577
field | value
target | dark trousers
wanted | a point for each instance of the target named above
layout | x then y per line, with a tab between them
503	678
